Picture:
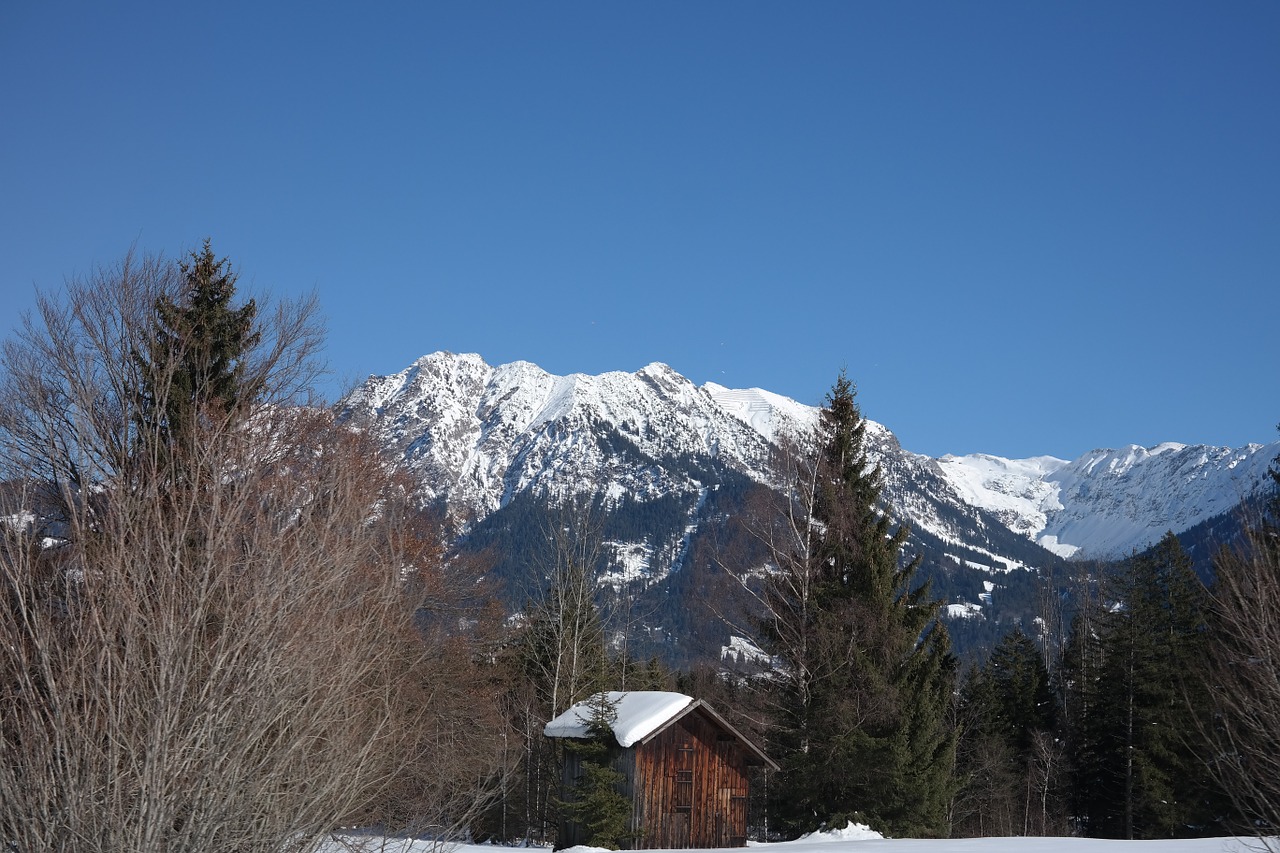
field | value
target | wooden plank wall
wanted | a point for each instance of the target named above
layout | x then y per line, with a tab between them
690	787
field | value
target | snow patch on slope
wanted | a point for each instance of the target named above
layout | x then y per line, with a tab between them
771	415
964	611
631	561
1014	489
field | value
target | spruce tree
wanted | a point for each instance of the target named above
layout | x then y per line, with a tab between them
194	369
596	803
1006	759
1170	610
861	725
1023	701
1139	770
1087	708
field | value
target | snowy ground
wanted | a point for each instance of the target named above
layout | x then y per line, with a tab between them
857	839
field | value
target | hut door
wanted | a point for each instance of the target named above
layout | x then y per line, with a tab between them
731	818
733	803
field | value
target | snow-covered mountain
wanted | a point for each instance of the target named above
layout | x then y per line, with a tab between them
479	436
1108	503
671	467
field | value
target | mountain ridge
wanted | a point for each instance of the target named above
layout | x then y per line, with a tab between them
673	476
477	435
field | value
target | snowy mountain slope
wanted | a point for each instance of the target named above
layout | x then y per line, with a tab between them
1109	502
771	415
673	468
1014	489
945	510
479	435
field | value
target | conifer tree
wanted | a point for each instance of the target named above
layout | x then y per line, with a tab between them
194	367
596	803
861	705
1082	694
1007	759
1023	701
1139	774
985	765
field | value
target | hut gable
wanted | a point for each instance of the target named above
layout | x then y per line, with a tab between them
686	769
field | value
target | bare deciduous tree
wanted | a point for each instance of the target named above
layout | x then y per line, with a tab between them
1244	671
562	655
565	642
228	660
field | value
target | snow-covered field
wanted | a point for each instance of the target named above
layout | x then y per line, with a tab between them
859	839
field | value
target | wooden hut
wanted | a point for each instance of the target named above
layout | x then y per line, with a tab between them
685	769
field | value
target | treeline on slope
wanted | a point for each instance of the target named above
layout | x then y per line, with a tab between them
1204	541
689	611
671	615
515	535
1010	600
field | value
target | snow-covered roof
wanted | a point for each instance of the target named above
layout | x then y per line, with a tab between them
640	714
643	713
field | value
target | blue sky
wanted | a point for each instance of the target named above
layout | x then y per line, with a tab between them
1025	228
